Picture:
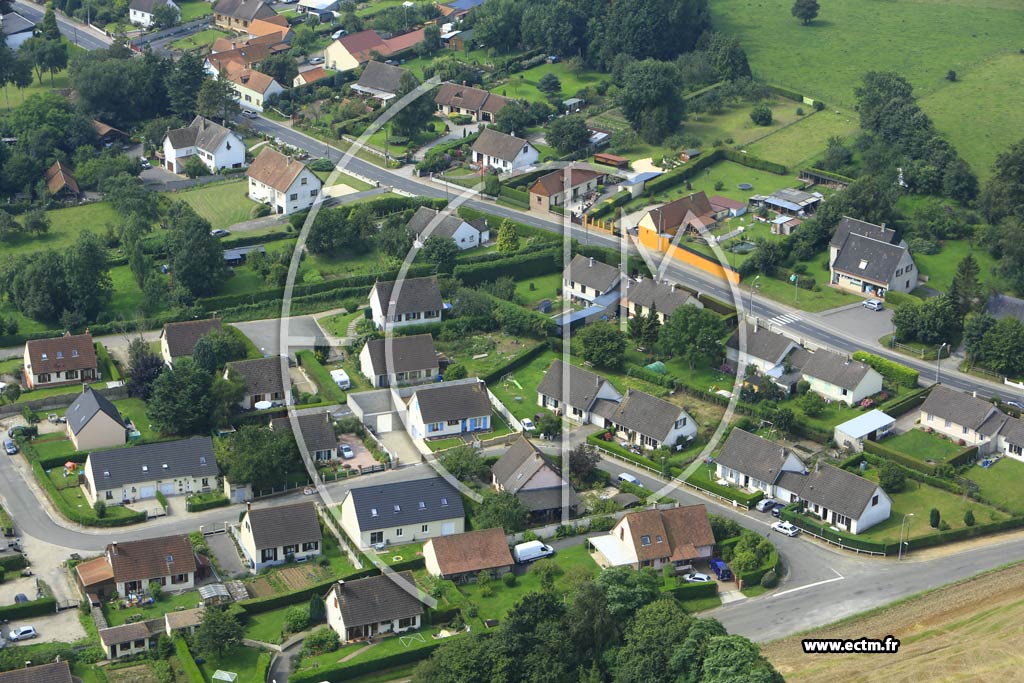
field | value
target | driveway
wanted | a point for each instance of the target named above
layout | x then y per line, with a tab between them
230	562
857	320
62	627
303	333
363	456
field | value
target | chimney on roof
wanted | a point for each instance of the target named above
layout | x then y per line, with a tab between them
341	584
113	547
248	505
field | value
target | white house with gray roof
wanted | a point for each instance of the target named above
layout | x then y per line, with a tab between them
402	512
396	361
764	349
379	80
973	421
587	279
264	380
840	378
866	259
533	478
497	150
143	12
751	462
272	536
414	301
374	606
645	294
647	421
214	145
465	234
94	422
128	475
449	409
572	392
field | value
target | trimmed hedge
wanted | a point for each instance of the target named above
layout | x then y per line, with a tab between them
790	514
838	177
187	661
890	370
25	610
263	666
609	205
694	591
518	197
681	174
59	460
525	265
612	447
793	95
326	387
104	359
753	577
964	457
879	449
524	230
12	562
74	514
915	473
754	162
904	404
206	501
346	671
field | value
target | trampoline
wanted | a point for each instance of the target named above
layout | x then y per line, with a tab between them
745	186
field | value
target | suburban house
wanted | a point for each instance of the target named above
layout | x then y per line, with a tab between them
449	409
270	30
185	621
263	380
647	421
550	190
726	208
320	8
457	9
178	340
234	55
588	279
374	606
972	421
61	183
129	640
465	100
380	80
531	476
394	361
751	462
657	538
348	52
572	392
283	183
128	568
790	201
416	301
870	426
252	88
465	234
214	145
316	431
494	149
54	672
93	422
645	294
458	40
866	259
174	468
272	536
839	498
57	361
16	30
764	349
143	12
310	76
785	225
840	378
692	213
402	512
461	558
236	15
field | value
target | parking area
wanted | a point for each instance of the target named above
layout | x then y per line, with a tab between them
363	457
25	585
223	548
860	322
61	627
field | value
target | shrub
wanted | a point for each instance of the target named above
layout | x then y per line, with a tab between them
296	619
100	508
761	115
892	371
510	579
323	639
891	478
969	518
769	580
943	525
799	111
934	518
155	591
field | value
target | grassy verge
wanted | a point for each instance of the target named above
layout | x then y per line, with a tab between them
326	387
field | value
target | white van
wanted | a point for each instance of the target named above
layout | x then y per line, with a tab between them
629	479
530	551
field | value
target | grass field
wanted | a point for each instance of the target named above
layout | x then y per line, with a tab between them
223	204
968	631
523	85
825	298
940	268
194	9
800	143
730	174
198	41
921	445
545	287
65	227
1000	483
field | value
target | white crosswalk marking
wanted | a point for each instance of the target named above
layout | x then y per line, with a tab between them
784	319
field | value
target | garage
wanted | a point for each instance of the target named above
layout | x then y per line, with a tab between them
147	492
167	489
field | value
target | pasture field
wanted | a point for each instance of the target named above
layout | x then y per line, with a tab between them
223	204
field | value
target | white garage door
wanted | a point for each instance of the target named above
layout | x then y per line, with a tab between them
448	528
167	489
147	492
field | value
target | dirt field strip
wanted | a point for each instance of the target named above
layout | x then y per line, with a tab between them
969	631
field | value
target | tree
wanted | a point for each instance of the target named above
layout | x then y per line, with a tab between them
37	222
734	658
812	404
583	461
296	618
549	84
216	348
965	292
549	424
464	463
195	168
501	509
257	455
837	155
225	395
49	29
219	631
441	252
508	237
568	134
601	344
546	572
431	41
636	326
183	82
155	590
216	99
934	518
317	609
144	367
650	99
197	260
455	371
650	638
12	392
891	478
805	10
100	508
761	115
413	115
394	238
652	327
38	288
180	399
693	333
165	16
87	276
1001	195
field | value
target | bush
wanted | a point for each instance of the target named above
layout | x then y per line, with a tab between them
162	499
187	662
770	579
323	639
155	591
761	115
934	518
969	518
296	619
206	501
100	508
510	579
891	478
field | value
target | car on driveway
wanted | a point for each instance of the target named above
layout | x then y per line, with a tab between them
144	162
220	232
764	505
697	577
316	60
23	633
777	509
1016	405
528	425
785	528
10	447
346	451
873	304
20	598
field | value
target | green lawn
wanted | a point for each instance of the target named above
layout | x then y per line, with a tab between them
13	97
396	553
921	445
239	660
193	9
497	348
941	267
338	324
72	493
798	144
523	85
544	287
223	204
344	179
11	365
128	299
65	227
704	477
134	409
267	627
1000	483
168	603
824	298
199	41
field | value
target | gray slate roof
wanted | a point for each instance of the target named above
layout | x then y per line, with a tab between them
316	429
261	375
86	406
536	500
648	415
499	145
183	458
592	273
246	10
583	385
836	489
664	296
453	401
835	369
520	461
54	672
763	344
14	23
284	525
414	352
852	226
752	455
381	77
445	228
182	337
868	258
201	133
375	599
416	294
957	406
418	501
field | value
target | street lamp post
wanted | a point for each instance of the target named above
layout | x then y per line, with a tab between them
753	286
904	522
938	360
796	287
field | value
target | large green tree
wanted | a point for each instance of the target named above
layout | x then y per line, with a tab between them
183	82
87	277
258	455
180	403
601	344
501	509
144	366
216	99
805	10
441	252
197	260
219	631
965	292
695	334
651	99
415	114
568	134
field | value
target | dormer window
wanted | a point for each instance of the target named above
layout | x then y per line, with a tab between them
423	506
444	502
645	540
202	459
145	468
863	264
45	357
60	354
398	508
657	539
74	353
106	474
165	466
373	512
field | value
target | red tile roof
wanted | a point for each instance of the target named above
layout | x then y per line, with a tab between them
70	352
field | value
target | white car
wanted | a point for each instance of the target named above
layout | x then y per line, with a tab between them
250	114
528	425
144	162
346	452
697	577
316	60
23	633
338	34
764	504
342	379
785	528
873	304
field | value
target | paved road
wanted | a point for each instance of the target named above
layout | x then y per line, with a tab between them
79	34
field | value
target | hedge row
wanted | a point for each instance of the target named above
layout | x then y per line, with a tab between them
616	449
88	518
609	205
753	577
527	179
694	591
346	671
25	610
794	95
525	265
915	473
249	240
904	404
838	177
881	450
754	162
13	562
187	662
206	501
683	173
104	359
965	457
890	370
514	196
325	384
59	460
790	514
516	362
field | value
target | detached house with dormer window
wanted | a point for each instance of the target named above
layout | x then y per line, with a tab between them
402	512
497	150
272	536
70	359
214	145
283	183
867	260
414	301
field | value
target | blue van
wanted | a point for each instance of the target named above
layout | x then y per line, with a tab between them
721	570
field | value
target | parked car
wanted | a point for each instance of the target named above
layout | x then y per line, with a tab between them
874	304
626	477
777	509
338	34
250	114
697	577
20	598
10	447
528	425
785	528
316	60
22	430
721	570
346	451
530	551
1016	405
23	633
220	232
764	505
342	379
144	162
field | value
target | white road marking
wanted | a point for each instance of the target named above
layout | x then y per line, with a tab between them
784	319
839	577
